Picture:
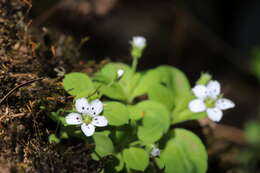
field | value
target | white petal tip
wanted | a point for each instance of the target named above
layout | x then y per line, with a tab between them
225	104
213	88
139	42
155	152
197	105
120	73
88	130
214	114
200	91
73	119
82	105
96	107
100	121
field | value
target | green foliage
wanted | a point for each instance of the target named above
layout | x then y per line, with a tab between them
184	152
250	156
104	145
255	63
78	84
252	130
143	82
176	81
161	94
136	158
108	75
155	123
186	115
53	139
204	79
141	108
135	112
116	113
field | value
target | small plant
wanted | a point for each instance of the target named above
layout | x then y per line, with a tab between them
138	132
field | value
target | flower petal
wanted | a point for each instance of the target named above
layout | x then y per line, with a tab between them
197	105
214	114
139	42
200	91
155	152
224	104
73	119
88	130
82	105
96	107
99	121
120	73
213	89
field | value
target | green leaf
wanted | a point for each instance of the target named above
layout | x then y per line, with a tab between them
149	134
113	87
186	115
161	94
176	81
116	113
144	82
114	91
204	79
184	153
121	164
77	84
57	118
252	133
155	122
104	145
136	113
136	158
255	63
109	72
159	162
53	139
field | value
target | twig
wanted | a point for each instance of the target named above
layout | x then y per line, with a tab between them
17	87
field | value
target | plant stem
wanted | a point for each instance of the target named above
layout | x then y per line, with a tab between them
134	64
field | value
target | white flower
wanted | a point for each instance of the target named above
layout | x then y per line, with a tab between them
139	42
155	152
88	116
209	100
120	73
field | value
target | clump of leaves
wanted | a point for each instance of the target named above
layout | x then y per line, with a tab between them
137	124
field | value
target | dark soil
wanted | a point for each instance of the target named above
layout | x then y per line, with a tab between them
24	127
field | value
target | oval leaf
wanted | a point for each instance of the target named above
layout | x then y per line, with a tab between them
136	158
156	121
115	91
116	113
184	153
162	95
136	113
77	84
104	145
176	81
144	82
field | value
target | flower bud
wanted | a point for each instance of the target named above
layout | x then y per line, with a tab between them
120	73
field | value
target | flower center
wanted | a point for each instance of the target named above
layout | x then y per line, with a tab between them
87	119
209	102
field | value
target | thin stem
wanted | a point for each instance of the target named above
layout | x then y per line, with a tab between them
134	64
19	86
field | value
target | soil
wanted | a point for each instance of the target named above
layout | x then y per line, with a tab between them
27	70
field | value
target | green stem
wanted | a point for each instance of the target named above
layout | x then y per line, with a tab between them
134	64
